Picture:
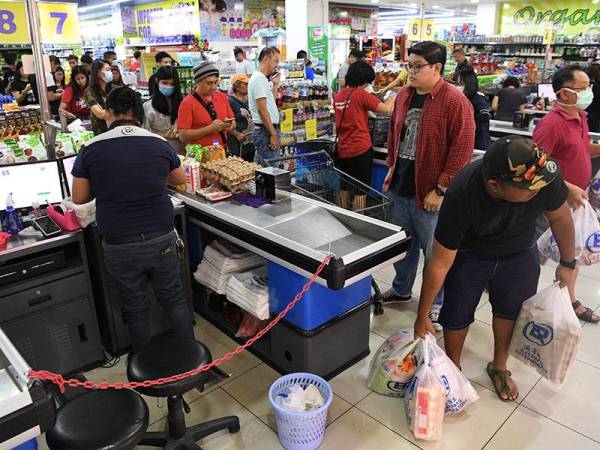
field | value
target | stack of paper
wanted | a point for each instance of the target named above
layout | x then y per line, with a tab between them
220	261
250	291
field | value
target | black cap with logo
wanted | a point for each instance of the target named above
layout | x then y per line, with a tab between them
519	161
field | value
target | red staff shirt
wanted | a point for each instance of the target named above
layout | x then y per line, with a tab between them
567	140
192	116
76	103
354	136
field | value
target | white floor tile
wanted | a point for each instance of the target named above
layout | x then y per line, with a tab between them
395	317
356	430
575	404
479	350
254	434
351	385
252	389
589	351
528	430
468	430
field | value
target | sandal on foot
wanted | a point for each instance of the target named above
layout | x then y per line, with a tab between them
587	315
504	387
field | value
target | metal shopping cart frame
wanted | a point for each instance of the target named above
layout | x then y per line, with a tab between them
314	175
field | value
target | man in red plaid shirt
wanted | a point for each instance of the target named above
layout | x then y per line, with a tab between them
431	138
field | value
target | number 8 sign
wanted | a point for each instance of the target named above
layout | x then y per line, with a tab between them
59	23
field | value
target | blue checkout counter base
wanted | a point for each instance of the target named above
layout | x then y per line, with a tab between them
325	351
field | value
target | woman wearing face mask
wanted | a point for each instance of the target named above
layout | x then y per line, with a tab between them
467	82
160	113
73	103
96	93
117	77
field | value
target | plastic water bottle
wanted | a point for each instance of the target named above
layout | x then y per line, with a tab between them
12	224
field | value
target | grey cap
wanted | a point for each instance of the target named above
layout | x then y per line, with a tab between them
205	69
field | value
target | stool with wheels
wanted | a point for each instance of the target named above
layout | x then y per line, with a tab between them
100	419
164	357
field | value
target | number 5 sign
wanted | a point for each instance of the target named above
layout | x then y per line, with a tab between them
421	32
59	23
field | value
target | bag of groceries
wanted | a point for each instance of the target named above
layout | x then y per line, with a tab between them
425	399
547	333
594	191
459	391
587	238
394	364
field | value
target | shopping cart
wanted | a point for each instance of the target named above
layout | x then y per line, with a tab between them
314	175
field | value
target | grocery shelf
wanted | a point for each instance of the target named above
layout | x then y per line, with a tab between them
561	44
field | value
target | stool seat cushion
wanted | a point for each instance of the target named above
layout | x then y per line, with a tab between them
100	419
167	356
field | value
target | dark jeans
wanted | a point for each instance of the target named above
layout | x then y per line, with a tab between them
262	139
132	266
511	280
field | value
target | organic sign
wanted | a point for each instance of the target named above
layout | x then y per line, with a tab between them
536	17
156	20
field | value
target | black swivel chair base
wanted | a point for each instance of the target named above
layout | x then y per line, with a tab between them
178	437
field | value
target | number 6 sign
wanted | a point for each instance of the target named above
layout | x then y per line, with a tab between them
59	23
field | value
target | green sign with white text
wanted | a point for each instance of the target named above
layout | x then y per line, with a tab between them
318	46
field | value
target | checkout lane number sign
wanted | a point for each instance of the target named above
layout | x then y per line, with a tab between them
59	23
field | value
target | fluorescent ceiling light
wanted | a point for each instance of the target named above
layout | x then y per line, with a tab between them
436	6
374	1
474	1
101	5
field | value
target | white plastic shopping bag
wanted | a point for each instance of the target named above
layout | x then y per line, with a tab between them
394	364
459	391
547	333
587	238
594	191
425	400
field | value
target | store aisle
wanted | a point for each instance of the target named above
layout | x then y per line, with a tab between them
544	417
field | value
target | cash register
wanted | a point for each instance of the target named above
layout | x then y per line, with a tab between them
27	408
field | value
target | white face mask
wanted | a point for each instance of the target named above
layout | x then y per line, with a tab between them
584	98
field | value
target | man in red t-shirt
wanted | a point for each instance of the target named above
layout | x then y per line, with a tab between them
564	134
352	105
205	116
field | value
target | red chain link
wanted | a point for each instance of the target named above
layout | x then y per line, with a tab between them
61	382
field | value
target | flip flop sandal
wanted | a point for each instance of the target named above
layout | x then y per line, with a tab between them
587	315
504	387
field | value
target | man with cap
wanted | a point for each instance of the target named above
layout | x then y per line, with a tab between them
205	116
240	139
485	237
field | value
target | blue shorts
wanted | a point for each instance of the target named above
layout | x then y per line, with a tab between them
510	279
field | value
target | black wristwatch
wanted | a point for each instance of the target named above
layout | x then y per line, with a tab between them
568	264
439	191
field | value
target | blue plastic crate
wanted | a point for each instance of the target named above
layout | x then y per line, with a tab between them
319	305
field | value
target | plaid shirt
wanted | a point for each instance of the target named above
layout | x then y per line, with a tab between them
445	140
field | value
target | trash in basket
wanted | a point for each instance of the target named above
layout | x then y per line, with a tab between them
300	430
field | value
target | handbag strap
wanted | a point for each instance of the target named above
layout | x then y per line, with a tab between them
210	109
337	134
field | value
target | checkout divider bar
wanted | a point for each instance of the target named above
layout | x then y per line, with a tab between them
72	382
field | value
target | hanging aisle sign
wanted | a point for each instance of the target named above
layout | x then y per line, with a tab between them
418	31
59	23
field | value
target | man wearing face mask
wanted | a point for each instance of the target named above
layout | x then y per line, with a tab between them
564	133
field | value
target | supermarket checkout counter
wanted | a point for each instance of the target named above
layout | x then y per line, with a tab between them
328	330
500	128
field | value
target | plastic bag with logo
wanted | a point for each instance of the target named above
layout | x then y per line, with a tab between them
587	238
459	391
594	191
425	399
394	364
547	333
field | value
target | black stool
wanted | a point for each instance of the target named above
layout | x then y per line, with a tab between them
96	420
168	356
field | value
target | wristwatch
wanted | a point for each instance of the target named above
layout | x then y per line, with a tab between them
568	264
439	191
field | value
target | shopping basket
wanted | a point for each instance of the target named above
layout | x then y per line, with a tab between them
300	430
314	175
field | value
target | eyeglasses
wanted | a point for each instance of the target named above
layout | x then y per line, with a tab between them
416	68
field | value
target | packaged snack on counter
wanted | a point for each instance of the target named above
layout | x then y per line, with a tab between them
547	334
425	400
394	365
64	145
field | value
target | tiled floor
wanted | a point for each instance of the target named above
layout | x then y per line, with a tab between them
546	417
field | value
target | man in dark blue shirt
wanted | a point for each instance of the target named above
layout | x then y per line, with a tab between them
127	170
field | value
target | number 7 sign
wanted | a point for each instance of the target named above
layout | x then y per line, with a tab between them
59	23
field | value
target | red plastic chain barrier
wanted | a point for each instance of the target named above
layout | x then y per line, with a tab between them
61	382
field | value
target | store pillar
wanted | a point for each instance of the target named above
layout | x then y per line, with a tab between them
488	18
299	15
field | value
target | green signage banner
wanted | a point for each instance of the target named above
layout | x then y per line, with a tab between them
318	46
534	17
